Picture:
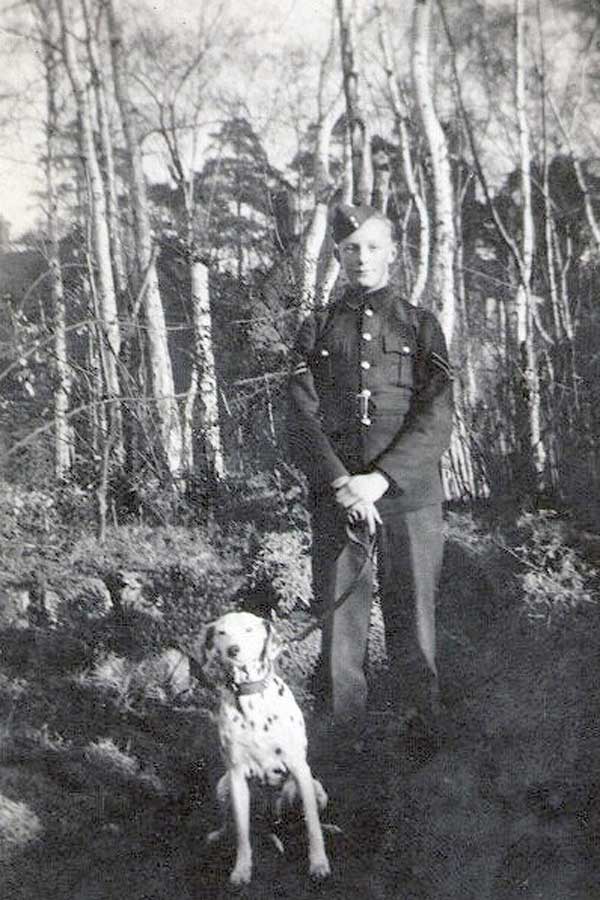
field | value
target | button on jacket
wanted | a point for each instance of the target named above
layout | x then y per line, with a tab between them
370	388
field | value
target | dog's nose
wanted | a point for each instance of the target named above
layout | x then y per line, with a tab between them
233	651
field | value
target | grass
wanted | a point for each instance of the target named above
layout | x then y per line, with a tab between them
104	733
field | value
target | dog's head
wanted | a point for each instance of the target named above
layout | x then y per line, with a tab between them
239	647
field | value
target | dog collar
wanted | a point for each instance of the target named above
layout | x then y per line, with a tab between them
252	687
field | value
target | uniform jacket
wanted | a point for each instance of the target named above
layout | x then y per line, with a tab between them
392	354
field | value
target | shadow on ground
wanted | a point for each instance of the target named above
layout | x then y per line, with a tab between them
502	804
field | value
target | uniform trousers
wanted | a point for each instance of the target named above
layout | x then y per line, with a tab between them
409	558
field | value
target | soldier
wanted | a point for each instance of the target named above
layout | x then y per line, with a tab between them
370	414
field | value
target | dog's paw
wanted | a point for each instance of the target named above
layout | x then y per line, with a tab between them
242	874
320	868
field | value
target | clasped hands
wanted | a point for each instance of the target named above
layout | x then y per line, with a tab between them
358	494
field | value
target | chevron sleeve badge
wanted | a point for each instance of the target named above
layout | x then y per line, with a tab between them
443	365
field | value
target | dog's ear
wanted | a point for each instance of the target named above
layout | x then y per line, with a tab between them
206	662
272	646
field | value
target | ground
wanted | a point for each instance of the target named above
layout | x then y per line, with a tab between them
501	805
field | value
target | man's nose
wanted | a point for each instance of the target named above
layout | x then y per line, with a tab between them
233	651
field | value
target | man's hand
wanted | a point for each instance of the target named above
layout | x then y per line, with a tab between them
365	512
358	494
367	488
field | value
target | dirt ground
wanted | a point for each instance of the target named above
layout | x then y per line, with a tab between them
502	804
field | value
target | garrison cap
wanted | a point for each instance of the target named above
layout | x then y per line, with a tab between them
347	219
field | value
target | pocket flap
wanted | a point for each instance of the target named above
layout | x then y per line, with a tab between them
397	343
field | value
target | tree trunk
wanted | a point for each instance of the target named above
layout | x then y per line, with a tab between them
107	159
381	180
416	196
358	127
160	368
548	214
63	432
444	238
107	305
317	230
528	398
204	362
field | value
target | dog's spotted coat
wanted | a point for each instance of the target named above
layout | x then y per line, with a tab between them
261	732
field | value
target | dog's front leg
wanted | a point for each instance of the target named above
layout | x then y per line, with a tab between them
319	864
240	803
223	799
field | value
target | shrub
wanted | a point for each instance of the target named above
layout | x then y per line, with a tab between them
26	512
271	501
283	563
555	579
19	826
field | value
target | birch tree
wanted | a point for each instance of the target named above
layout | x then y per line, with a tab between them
524	423
106	158
328	116
103	285
63	435
400	113
444	241
179	125
531	409
160	369
358	124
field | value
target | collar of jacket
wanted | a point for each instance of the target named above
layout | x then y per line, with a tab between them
357	298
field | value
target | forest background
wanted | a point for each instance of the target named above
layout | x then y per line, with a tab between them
168	176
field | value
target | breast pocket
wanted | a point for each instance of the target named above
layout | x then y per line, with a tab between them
399	358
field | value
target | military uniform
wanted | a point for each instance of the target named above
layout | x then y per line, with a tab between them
370	389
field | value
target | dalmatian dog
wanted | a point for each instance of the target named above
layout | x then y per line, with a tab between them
262	735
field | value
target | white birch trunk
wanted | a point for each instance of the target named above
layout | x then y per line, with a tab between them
108	162
347	177
107	304
444	237
564	260
63	433
204	362
160	366
332	271
317	230
381	181
524	316
416	196
358	126
548	215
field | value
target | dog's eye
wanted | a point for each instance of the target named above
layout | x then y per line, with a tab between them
222	632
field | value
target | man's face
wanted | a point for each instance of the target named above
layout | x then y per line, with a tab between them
367	254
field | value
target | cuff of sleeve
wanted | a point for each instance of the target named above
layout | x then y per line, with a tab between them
391	481
340	481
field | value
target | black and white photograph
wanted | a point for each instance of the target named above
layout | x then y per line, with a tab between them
300	449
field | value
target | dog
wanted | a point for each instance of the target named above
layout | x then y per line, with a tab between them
262	735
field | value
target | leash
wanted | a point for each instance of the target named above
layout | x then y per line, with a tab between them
368	547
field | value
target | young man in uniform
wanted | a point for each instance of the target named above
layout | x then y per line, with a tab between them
370	416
